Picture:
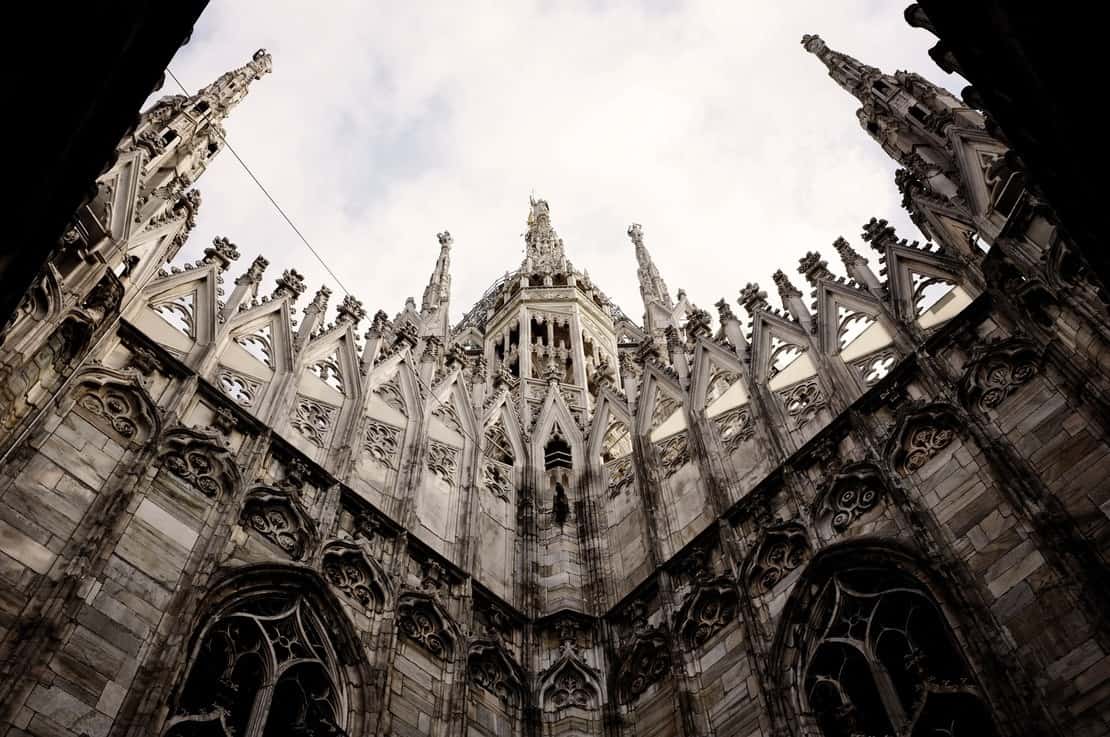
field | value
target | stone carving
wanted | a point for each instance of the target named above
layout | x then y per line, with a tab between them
497	479
720	379
382	442
242	390
648	659
442	460
664	407
200	461
447	413
785	546
328	371
996	371
919	435
274	515
390	392
179	311
875	367
708	608
123	408
490	668
421	620
856	490
348	569
313	420
621	475
569	683
673	453
734	427
259	343
803	401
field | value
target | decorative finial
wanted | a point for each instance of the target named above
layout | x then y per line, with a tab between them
814	268
222	252
445	239
290	283
847	254
753	299
350	311
253	274
879	234
786	289
813	43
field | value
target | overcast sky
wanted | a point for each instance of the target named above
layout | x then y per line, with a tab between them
385	123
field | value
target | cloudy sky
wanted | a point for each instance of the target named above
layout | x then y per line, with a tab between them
385	123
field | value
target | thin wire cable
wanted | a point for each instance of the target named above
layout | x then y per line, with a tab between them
270	197
319	258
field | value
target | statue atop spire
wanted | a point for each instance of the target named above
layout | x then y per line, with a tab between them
652	287
544	246
438	291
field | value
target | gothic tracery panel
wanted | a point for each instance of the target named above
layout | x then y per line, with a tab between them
883	661
784	548
264	668
275	516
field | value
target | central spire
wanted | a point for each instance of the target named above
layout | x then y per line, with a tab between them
544	246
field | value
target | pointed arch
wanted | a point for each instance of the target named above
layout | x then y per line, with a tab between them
569	683
276	624
867	643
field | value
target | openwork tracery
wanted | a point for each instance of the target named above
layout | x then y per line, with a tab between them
997	371
879	659
263	668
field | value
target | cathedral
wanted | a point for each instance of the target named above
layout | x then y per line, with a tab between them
876	506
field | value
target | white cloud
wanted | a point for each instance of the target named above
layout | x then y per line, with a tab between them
384	123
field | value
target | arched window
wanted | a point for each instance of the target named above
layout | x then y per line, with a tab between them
881	660
263	668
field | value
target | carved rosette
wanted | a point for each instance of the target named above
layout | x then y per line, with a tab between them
674	452
996	371
274	515
123	408
734	427
350	572
621	475
442	460
497	479
313	420
857	490
919	435
709	607
199	460
802	402
784	548
648	660
490	668
381	442
421	621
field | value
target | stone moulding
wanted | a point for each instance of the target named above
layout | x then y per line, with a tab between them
491	668
996	371
422	620
277	516
920	432
356	575
708	608
198	459
855	491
